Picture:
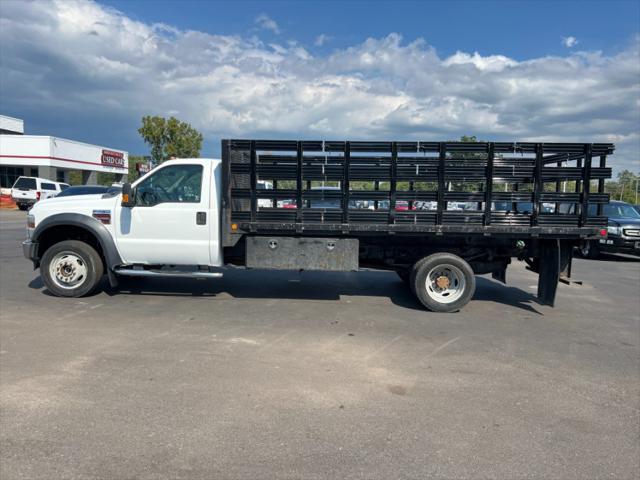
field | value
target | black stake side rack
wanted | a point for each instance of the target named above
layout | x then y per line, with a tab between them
410	187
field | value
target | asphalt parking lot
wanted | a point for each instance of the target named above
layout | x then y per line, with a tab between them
319	375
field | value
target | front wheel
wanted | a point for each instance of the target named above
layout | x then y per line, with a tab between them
443	282
71	269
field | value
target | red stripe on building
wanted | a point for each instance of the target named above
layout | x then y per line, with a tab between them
61	159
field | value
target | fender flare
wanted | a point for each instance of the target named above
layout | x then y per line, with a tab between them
111	255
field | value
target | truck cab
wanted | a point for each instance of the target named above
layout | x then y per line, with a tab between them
170	217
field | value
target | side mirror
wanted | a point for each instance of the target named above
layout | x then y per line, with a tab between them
128	195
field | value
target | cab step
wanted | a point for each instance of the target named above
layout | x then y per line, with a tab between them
134	272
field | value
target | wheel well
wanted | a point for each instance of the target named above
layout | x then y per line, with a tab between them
59	233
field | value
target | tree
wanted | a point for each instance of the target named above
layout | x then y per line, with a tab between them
626	188
170	138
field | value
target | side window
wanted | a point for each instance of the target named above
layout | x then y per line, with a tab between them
175	184
48	186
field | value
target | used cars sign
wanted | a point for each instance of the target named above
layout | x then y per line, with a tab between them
112	159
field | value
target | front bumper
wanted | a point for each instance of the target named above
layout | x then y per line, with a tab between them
620	245
30	251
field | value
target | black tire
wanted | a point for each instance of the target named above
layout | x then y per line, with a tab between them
23	206
428	298
80	256
589	249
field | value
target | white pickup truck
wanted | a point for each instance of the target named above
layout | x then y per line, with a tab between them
193	217
26	191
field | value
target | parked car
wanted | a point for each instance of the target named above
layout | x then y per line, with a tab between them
88	190
264	185
403	206
28	190
623	231
522	207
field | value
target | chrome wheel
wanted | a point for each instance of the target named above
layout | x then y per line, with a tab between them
68	270
445	283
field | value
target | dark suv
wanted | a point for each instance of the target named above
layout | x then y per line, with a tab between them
623	231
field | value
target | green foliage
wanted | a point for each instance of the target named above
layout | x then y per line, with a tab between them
75	177
106	178
170	138
133	159
466	186
626	188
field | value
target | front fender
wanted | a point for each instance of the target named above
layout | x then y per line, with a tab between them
111	255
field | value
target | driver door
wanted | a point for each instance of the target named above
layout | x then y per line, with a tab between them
169	224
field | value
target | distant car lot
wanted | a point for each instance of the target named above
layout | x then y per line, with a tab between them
319	375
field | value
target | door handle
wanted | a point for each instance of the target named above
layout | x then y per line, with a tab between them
201	218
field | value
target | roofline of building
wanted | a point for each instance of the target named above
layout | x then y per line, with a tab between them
12	118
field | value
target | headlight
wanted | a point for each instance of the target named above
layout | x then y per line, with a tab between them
613	230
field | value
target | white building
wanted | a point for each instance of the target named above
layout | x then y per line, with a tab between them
52	157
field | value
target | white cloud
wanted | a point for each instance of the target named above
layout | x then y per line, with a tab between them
570	42
321	40
95	70
493	63
267	23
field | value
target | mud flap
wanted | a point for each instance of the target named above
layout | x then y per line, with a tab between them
549	271
113	279
566	256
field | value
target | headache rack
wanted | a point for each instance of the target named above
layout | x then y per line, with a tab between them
353	188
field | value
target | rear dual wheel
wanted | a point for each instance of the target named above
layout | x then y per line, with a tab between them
443	282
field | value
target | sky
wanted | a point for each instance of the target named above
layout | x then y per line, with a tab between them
504	71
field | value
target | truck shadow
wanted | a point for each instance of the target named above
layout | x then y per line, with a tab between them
325	286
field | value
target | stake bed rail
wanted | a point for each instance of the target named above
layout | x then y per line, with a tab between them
272	186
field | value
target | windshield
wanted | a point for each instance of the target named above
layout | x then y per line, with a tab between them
616	210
